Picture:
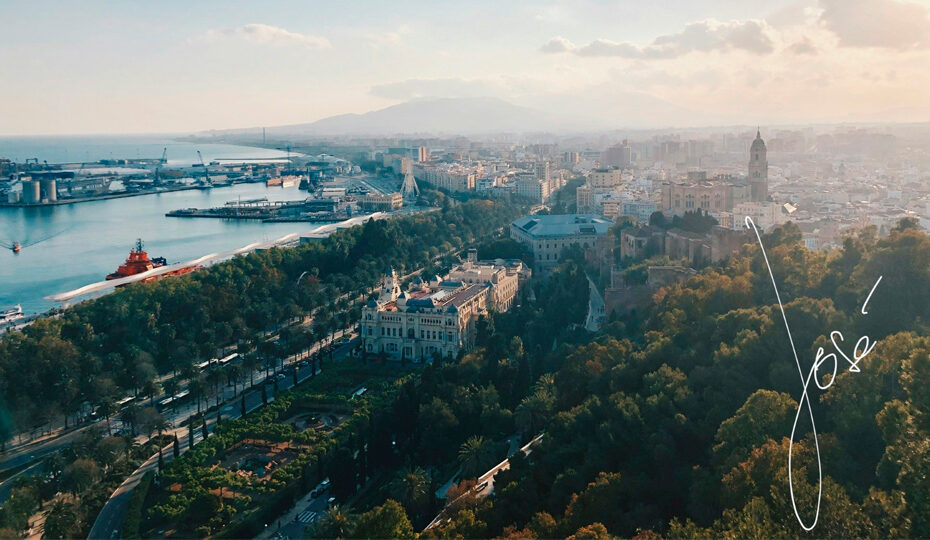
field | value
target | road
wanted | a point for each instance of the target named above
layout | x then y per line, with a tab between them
307	510
485	483
30	452
7	486
109	522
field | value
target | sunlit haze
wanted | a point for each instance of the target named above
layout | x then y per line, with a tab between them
136	67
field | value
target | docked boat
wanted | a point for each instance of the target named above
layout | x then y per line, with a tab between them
139	262
13	314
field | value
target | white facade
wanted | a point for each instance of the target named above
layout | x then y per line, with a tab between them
439	317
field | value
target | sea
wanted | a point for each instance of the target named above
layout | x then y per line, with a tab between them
81	243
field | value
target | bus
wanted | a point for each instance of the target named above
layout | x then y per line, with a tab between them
165	402
125	401
227	359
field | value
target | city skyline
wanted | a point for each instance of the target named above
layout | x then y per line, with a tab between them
136	68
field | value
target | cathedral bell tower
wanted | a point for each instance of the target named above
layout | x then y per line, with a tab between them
758	170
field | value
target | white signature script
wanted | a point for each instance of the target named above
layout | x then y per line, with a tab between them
863	347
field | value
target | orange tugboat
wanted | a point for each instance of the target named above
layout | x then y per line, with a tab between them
139	262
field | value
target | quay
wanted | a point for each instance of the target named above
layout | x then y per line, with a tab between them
323	231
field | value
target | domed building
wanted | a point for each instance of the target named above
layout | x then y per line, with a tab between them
758	170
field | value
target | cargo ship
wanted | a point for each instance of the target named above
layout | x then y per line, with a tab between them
139	262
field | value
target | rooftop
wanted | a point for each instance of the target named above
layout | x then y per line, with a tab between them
563	225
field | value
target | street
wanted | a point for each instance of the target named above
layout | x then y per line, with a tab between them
109	521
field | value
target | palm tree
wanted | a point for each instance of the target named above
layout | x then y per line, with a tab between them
475	455
198	390
170	386
336	523
130	415
409	486
214	376
533	410
131	445
234	374
107	408
162	425
250	362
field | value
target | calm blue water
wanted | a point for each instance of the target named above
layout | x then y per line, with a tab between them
89	148
95	237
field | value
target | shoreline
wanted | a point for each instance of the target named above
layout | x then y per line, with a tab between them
65	202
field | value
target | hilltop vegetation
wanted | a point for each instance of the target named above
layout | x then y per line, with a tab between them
98	351
676	422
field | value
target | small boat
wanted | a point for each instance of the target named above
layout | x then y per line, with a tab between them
17	247
12	314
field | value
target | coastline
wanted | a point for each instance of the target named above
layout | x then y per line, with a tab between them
65	202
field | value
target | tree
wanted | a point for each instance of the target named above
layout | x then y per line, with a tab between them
80	475
130	415
149	420
386	521
476	456
61	521
763	416
533	411
343	473
410	486
336	523
107	408
594	531
250	363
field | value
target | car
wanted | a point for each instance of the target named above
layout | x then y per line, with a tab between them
331	502
280	376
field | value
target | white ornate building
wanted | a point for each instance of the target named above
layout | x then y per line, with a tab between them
439	317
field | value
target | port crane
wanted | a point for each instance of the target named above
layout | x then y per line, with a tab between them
162	161
206	171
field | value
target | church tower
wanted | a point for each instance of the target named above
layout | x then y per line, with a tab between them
758	170
390	287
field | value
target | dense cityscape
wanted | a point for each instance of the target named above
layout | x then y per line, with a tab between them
585	270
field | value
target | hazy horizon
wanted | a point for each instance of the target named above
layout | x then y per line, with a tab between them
103	68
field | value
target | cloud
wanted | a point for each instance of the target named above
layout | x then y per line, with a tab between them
804	46
888	24
263	33
380	40
451	87
558	44
705	36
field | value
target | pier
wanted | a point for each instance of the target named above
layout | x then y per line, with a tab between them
323	231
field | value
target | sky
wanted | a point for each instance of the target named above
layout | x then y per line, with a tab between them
171	66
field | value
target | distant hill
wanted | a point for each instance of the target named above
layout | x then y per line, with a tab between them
460	116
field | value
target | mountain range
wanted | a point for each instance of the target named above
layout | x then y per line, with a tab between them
487	115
